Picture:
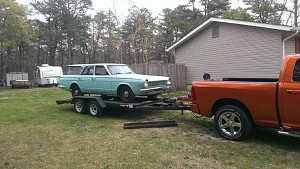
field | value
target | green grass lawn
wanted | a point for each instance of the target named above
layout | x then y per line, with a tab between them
37	133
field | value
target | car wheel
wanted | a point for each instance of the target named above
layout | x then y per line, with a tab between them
94	109
126	95
80	106
76	91
232	122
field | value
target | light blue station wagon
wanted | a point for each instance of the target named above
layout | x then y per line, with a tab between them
116	80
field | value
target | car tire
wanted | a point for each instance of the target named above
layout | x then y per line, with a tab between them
95	109
232	122
76	91
126	95
80	106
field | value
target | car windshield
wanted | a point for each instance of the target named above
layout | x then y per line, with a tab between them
119	69
73	70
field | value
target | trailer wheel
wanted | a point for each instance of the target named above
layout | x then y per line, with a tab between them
232	122
76	91
95	109
80	106
126	95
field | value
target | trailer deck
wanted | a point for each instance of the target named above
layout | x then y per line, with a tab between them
95	105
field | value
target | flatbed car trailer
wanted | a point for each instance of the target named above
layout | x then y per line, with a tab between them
95	105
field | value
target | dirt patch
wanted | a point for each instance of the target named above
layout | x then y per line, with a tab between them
3	90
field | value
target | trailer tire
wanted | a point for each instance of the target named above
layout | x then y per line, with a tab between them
76	91
232	122
95	109
126	95
80	106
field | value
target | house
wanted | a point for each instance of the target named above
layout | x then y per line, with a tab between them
232	48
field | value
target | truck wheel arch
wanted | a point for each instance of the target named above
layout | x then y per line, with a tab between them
229	101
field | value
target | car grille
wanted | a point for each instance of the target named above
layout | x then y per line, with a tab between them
157	83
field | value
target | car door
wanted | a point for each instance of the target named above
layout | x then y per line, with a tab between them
85	79
291	99
101	82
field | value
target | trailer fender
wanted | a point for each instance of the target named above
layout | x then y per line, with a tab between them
101	102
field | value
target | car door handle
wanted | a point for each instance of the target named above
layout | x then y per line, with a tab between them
293	91
79	78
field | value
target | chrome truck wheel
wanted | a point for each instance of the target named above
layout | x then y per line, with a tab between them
232	122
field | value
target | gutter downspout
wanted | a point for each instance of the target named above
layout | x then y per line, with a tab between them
283	42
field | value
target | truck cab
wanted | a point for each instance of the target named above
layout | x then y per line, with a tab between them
289	94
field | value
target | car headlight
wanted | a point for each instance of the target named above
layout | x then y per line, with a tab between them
146	83
169	82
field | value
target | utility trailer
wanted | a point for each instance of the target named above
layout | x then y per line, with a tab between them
20	84
96	105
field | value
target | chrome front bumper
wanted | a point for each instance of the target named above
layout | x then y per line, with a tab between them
154	90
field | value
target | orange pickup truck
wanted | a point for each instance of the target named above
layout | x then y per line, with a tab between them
238	104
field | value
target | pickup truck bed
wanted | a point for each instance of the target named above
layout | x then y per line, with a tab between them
251	79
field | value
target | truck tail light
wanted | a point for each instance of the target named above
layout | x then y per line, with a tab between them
193	94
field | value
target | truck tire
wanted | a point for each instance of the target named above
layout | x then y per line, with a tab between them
80	106
76	91
95	109
232	122
126	95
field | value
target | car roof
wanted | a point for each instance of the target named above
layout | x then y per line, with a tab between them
97	64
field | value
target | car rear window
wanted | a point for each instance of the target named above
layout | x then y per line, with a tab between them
73	70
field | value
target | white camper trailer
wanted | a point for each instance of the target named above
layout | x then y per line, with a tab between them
46	75
17	79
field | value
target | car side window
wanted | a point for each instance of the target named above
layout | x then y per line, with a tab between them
100	70
296	74
88	70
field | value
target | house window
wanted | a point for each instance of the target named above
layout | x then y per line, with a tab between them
215	31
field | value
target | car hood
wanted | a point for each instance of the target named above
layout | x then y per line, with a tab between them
143	77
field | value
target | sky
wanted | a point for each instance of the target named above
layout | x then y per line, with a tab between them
120	7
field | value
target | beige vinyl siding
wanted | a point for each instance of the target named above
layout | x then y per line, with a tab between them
239	51
289	44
